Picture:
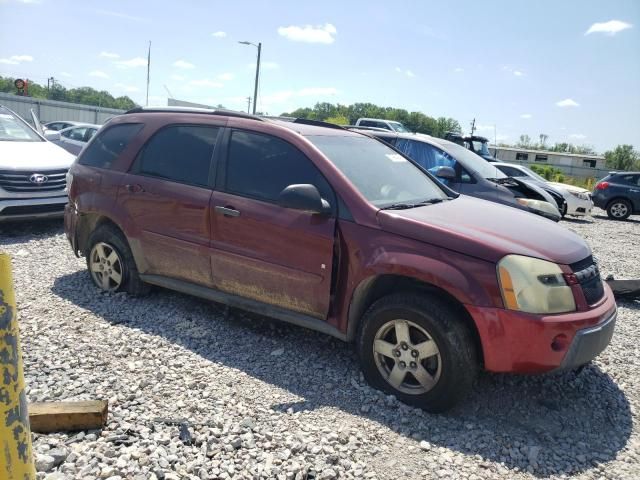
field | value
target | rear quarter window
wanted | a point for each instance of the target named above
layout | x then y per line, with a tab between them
108	144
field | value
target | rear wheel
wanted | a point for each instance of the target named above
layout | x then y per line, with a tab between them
619	209
418	349
111	264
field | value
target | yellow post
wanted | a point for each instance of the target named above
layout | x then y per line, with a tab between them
16	460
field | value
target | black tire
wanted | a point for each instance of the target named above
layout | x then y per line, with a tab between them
131	282
618	205
457	349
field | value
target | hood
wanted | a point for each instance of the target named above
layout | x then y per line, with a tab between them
486	230
569	188
33	156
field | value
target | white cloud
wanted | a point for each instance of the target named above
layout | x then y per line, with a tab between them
98	73
16	59
518	73
309	34
206	83
133	63
126	88
110	13
567	102
484	128
219	34
312	91
609	28
458	69
65	74
109	55
578	136
408	73
226	76
501	138
183	64
179	78
526	116
515	72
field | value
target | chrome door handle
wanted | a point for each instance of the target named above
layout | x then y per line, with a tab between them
228	211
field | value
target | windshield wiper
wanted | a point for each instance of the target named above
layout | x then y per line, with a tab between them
406	206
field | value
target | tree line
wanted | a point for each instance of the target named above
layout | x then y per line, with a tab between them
82	95
349	114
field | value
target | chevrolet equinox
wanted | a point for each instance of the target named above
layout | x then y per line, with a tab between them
336	231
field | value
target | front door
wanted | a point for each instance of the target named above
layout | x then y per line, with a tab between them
167	196
260	250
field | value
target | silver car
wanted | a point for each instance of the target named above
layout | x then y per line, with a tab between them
73	139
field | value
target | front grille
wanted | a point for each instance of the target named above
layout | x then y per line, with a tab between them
591	285
31	209
23	181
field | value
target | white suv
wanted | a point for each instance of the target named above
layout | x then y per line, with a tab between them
383	124
32	171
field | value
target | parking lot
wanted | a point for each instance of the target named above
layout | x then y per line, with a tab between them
268	400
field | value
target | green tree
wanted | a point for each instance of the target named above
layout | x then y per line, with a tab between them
337	120
524	141
624	157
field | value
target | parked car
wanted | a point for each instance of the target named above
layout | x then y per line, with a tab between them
73	139
32	171
59	125
477	144
391	125
578	200
619	194
468	173
335	231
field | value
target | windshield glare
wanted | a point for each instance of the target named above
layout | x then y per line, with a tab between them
14	129
398	127
472	161
383	176
481	147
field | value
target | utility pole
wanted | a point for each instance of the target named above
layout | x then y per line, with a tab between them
255	90
148	71
248	104
473	126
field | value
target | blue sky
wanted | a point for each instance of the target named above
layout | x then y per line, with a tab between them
569	69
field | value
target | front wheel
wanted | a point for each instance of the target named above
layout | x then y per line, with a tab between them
418	349
619	209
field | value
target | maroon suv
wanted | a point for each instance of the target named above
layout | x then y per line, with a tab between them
338	232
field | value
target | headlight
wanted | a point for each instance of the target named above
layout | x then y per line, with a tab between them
534	286
539	205
580	195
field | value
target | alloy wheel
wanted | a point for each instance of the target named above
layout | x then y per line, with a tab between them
407	357
619	210
105	266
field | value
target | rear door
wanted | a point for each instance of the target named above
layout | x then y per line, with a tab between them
632	182
167	196
73	139
260	250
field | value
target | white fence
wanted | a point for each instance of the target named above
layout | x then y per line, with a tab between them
50	110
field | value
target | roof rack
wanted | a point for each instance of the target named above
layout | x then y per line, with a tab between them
203	111
375	129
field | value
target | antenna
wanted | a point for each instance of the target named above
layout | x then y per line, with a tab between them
168	91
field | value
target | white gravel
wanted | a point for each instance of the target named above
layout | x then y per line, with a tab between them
268	400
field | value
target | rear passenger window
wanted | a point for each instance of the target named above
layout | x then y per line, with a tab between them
261	166
108	145
180	153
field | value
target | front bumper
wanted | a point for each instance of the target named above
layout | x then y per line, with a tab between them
13	209
578	207
525	343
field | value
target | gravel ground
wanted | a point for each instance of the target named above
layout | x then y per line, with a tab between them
268	400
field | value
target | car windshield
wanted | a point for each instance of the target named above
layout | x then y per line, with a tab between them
481	147
398	127
383	176
472	161
533	174
14	129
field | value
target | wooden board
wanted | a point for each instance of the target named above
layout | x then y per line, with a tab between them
47	417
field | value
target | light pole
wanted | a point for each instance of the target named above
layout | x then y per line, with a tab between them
255	91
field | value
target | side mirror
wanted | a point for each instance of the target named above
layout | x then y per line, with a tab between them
446	173
52	136
304	197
